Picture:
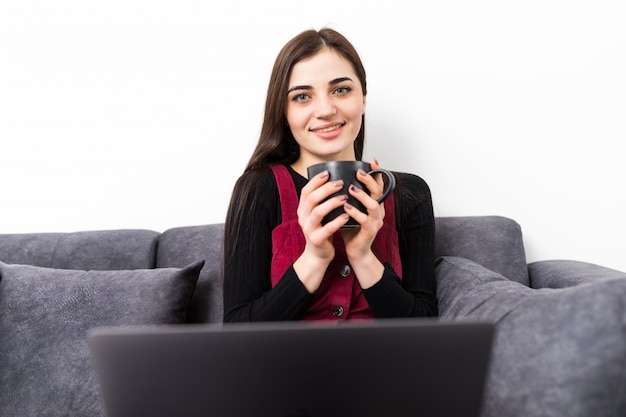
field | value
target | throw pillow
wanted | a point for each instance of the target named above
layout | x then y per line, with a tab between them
45	315
557	352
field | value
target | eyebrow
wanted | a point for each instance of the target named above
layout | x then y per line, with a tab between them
308	87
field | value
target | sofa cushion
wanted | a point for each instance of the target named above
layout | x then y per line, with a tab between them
557	352
45	315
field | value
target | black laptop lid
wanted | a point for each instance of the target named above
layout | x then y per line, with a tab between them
382	368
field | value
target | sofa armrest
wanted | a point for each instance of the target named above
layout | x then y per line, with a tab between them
567	273
557	352
495	242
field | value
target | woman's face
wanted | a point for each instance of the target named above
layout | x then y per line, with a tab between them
325	105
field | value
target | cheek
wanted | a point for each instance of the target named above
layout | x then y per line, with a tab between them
295	117
358	109
296	123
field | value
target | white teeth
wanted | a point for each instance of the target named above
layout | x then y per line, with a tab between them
328	129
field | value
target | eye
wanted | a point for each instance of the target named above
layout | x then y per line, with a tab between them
300	98
342	91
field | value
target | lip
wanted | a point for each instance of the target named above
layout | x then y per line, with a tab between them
329	130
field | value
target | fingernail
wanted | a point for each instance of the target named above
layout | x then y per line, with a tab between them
348	206
323	174
354	189
338	183
361	172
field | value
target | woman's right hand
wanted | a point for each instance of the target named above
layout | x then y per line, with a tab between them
319	250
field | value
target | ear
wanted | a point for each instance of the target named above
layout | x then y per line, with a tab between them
364	103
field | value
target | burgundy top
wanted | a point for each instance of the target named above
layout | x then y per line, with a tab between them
339	296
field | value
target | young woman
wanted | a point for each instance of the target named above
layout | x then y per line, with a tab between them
280	262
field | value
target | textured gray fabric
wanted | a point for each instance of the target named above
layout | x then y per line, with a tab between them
44	318
179	246
29	249
493	241
557	352
101	250
565	273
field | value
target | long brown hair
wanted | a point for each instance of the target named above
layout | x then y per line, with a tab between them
276	143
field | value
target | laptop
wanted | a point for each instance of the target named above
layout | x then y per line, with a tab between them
374	368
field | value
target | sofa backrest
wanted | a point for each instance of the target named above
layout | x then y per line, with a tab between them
181	246
493	241
99	250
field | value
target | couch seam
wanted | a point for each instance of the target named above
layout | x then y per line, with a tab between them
51	264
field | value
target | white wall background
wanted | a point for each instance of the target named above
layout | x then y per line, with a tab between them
142	113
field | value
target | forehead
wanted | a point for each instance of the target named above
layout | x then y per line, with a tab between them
322	67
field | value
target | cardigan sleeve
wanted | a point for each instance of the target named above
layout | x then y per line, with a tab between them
415	294
248	293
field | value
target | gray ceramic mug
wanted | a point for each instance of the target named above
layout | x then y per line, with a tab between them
346	171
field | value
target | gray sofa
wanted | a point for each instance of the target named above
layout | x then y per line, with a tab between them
560	346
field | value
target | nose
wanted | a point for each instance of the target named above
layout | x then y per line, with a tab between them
325	108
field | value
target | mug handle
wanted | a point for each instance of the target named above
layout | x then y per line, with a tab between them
392	183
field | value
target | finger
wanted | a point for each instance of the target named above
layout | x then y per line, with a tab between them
379	177
355	213
318	190
371	221
316	181
323	209
374	184
370	203
335	224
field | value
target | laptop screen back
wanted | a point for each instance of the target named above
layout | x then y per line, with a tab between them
382	368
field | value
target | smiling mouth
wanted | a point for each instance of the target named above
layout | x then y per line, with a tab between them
328	129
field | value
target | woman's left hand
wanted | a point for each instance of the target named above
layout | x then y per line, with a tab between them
359	241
